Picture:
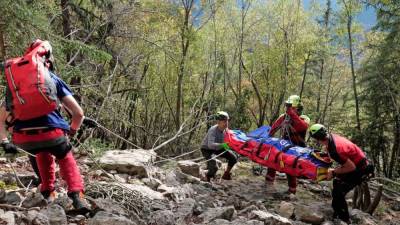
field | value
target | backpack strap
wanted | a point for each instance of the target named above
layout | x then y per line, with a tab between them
296	160
332	149
259	148
13	85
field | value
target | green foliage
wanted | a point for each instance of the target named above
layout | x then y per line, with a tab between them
125	59
97	146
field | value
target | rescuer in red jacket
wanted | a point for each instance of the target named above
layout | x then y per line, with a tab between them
354	167
293	127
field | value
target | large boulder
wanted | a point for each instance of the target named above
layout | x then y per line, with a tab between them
314	213
102	218
55	214
133	162
269	218
211	214
189	167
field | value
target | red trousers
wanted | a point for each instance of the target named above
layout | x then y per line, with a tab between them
45	158
292	181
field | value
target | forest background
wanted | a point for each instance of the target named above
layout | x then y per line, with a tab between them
154	72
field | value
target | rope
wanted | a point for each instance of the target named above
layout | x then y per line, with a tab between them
176	157
26	152
117	135
121	138
204	161
164	159
15	173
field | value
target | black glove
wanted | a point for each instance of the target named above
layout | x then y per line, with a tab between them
9	148
88	122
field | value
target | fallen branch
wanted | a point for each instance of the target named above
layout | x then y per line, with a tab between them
385	195
386	180
391	191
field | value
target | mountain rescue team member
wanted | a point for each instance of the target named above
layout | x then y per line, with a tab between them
213	145
353	168
293	127
46	138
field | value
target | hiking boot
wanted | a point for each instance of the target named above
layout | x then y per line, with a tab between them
227	176
49	196
78	201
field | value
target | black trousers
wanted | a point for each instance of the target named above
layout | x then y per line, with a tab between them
59	151
212	166
342	185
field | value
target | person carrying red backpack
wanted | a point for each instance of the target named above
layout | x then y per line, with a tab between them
33	94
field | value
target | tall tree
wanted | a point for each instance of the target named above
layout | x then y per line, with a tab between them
351	8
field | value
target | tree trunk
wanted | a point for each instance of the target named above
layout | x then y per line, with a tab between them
245	6
328	92
304	74
353	74
181	71
395	147
320	90
66	25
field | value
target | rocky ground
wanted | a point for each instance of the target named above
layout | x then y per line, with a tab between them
130	191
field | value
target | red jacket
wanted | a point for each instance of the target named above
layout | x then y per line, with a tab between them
341	149
297	127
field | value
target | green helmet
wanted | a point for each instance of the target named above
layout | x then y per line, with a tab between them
318	131
221	115
306	119
294	100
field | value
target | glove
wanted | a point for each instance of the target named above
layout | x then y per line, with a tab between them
89	122
10	150
224	146
288	105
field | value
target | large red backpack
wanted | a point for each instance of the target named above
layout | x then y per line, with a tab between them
32	91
